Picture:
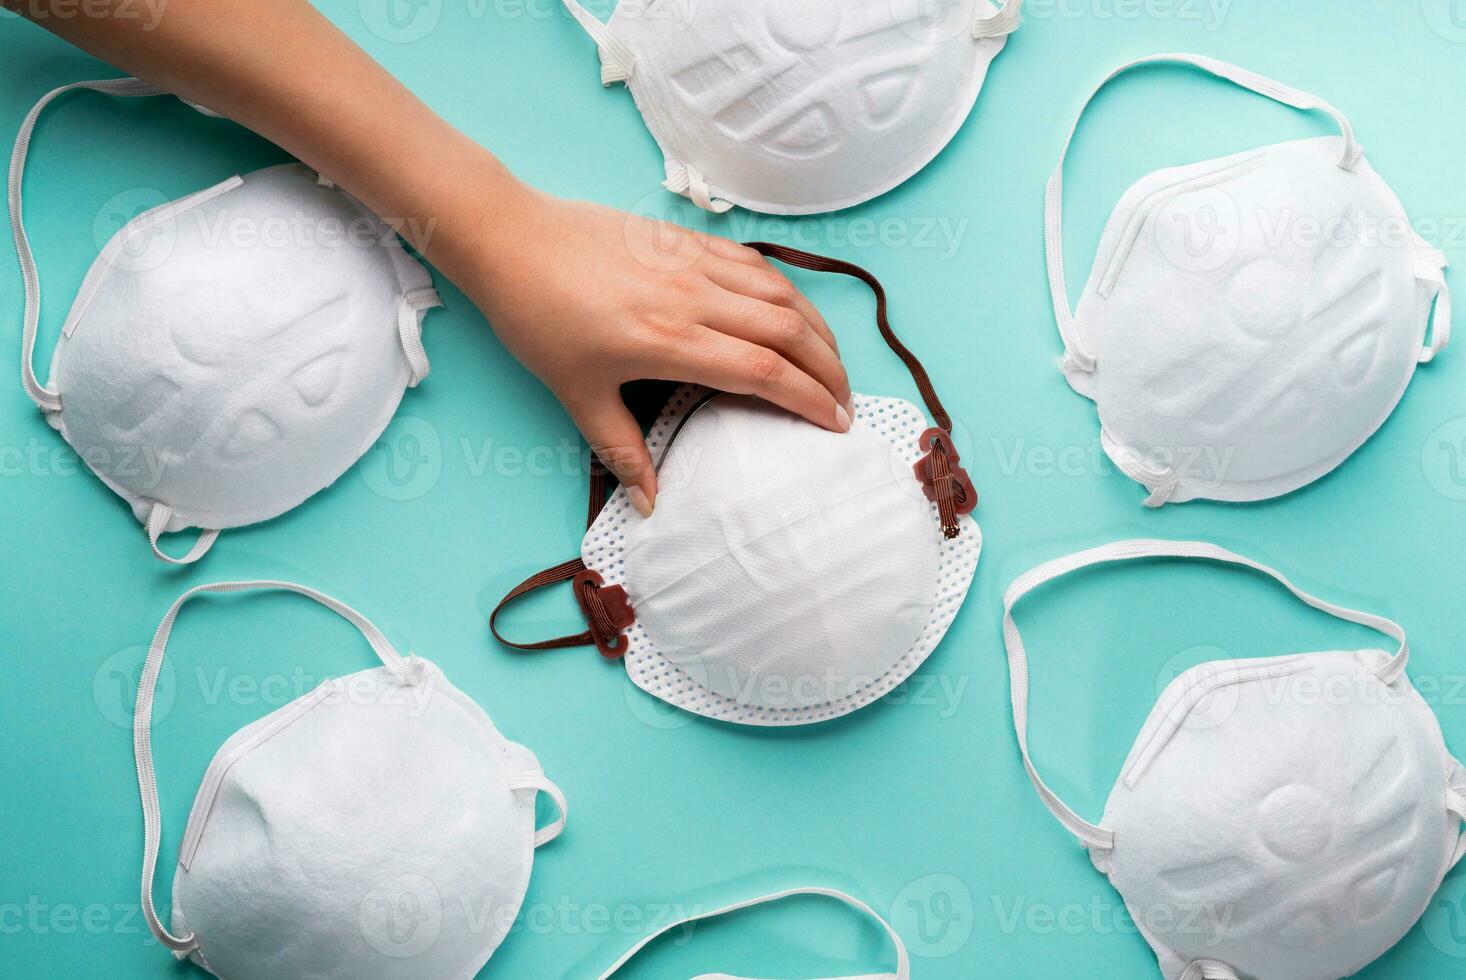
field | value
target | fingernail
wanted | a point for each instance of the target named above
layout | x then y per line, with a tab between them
639	500
842	418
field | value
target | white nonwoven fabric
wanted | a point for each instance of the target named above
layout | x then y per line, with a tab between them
789	574
1293	823
1283	818
243	353
1254	319
378	836
376	828
1249	321
799	106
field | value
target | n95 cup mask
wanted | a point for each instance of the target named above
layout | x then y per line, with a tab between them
230	353
1249	321
377	828
788	574
798	106
1291	816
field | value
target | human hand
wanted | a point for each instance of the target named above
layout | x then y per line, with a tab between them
586	297
589	298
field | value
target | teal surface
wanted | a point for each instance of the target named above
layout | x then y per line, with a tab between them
917	804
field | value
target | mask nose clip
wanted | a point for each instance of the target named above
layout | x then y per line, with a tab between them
607	609
943	479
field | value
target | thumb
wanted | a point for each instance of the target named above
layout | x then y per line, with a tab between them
615	438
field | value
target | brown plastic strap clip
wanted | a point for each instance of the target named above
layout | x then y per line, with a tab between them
608	611
943	479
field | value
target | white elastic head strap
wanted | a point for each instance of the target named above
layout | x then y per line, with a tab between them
47	400
142	723
157	523
409	331
1000	24
1089	834
1430	269
617	61
1456	803
540	783
903	965
1075	356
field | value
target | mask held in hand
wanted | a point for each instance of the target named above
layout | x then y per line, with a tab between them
789	574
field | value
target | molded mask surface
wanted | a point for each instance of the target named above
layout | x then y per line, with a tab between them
789	574
376	828
1292	816
242	347
798	106
1249	321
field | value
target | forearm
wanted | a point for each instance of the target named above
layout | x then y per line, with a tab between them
587	297
284	71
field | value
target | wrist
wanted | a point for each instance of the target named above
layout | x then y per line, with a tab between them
476	221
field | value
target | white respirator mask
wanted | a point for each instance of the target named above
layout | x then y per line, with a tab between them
1249	321
789	574
232	352
903	961
1293	816
377	828
798	106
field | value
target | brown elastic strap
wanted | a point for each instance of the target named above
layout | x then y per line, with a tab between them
600	619
950	487
563	572
601	485
947	489
822	263
942	480
644	399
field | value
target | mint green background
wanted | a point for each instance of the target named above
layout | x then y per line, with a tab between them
920	807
